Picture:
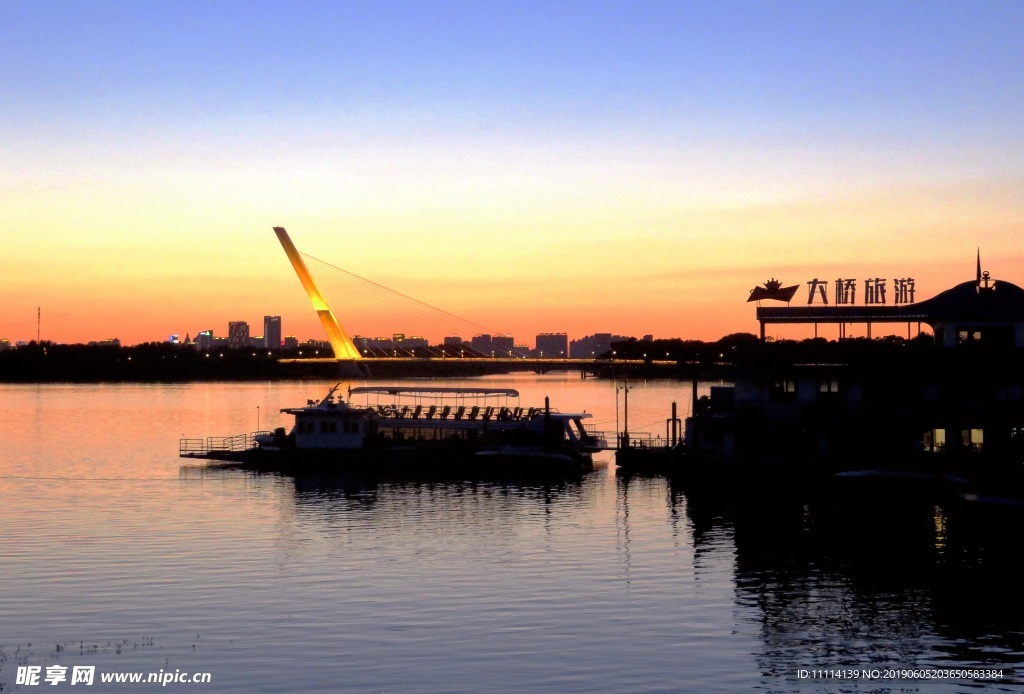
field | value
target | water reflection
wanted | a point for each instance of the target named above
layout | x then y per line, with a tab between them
492	500
636	582
641	500
906	583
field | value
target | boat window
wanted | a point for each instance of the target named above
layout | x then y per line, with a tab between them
973	438
965	336
785	385
828	385
783	390
935	440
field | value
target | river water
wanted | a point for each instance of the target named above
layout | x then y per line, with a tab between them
118	555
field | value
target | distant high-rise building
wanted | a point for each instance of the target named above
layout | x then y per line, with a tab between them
593	346
552	345
238	334
291	342
411	342
503	345
453	341
482	344
272	332
204	340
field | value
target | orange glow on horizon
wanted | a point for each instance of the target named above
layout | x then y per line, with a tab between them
682	271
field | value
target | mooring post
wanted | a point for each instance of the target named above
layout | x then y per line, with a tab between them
625	415
675	425
693	409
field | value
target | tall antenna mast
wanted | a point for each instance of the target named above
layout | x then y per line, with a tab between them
39	320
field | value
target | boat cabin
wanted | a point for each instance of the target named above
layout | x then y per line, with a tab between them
436	416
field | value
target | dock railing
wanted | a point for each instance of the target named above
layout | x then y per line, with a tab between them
643	440
218	444
593	434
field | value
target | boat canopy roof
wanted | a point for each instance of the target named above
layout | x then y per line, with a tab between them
435	390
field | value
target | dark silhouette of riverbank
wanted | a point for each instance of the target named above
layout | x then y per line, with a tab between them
683	359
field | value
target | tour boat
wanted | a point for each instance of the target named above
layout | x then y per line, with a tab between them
416	428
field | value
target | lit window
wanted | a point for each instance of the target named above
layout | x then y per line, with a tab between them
972	438
829	385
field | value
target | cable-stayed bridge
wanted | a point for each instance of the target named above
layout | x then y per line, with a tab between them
370	303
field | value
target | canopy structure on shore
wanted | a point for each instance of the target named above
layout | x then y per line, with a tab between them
978	310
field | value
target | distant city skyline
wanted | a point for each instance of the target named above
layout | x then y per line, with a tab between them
237	335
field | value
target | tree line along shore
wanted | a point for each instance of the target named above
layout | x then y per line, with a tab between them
164	362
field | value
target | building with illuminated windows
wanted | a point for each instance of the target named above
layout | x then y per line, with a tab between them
272	332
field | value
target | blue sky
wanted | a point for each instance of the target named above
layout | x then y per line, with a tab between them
939	62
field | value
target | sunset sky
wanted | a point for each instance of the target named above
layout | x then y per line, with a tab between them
580	167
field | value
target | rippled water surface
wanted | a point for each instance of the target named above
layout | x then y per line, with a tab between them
115	554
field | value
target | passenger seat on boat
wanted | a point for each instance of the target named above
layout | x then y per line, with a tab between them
459	412
445	411
432	411
474	412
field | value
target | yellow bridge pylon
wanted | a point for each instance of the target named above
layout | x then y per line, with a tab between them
341	343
